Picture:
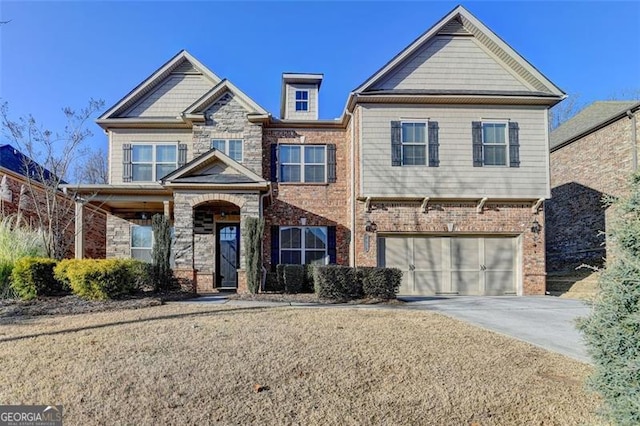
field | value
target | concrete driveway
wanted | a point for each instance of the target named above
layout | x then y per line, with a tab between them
544	321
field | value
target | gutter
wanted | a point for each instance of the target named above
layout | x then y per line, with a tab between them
634	141
352	184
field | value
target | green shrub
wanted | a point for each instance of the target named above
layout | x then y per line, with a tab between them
381	283
308	286
612	330
337	282
293	278
161	253
271	282
6	291
280	275
104	278
33	276
253	230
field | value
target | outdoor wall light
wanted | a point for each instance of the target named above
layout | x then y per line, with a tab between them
303	221
370	226
535	227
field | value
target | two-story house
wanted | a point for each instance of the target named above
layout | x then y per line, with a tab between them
438	165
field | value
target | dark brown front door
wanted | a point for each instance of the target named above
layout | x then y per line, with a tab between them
227	255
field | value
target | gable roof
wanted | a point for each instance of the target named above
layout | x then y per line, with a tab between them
187	174
461	22
155	79
590	119
217	92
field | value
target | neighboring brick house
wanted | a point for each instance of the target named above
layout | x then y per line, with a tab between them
438	165
15	197
592	155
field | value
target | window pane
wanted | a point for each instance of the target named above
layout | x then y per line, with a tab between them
235	149
166	153
314	154
414	155
289	154
164	169
142	153
291	257
291	238
315	238
315	257
302	95
314	174
419	132
407	132
302	105
141	172
494	133
495	155
290	173
142	254
141	237
218	144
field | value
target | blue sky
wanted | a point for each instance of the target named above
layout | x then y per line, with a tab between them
56	54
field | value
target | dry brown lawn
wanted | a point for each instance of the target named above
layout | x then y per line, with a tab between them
196	364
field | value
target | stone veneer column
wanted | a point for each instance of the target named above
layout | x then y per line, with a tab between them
251	208
183	244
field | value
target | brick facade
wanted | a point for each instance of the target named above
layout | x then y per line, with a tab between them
95	219
582	172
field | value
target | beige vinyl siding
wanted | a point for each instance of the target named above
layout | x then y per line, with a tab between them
171	97
120	137
455	177
452	63
291	113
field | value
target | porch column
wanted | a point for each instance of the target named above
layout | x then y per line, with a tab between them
167	209
79	231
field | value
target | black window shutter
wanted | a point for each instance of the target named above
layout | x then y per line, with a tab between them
127	170
274	162
396	143
275	246
331	163
476	134
331	244
434	155
514	144
182	154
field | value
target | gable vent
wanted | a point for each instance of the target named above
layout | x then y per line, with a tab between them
185	67
454	27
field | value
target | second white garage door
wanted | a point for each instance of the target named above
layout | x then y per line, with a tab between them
452	265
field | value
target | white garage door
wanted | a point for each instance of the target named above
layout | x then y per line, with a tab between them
452	265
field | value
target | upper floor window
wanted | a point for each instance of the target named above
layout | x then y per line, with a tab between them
302	245
414	144
151	162
231	147
302	163
302	100
496	143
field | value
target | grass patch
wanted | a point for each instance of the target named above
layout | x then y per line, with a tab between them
198	364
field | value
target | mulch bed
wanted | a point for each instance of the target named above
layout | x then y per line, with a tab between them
309	298
71	305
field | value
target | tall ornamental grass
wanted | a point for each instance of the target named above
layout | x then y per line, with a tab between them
16	241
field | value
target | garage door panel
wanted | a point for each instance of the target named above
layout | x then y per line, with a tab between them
498	283
499	253
427	253
398	253
466	283
464	253
428	282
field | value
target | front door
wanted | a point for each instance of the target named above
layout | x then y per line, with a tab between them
227	255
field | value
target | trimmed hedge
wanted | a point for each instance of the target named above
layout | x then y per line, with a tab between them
33	276
293	276
381	283
103	278
271	282
337	282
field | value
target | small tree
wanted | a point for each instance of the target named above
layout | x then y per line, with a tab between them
94	169
612	330
253	230
48	158
161	252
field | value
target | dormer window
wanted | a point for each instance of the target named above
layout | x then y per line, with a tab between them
302	100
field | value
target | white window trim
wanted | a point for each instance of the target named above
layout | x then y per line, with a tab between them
153	162
227	145
425	143
506	142
295	100
302	163
303	248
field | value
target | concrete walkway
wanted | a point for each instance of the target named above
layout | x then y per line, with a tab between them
544	321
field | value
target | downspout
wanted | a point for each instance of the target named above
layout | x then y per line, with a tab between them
634	141
352	245
260	216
